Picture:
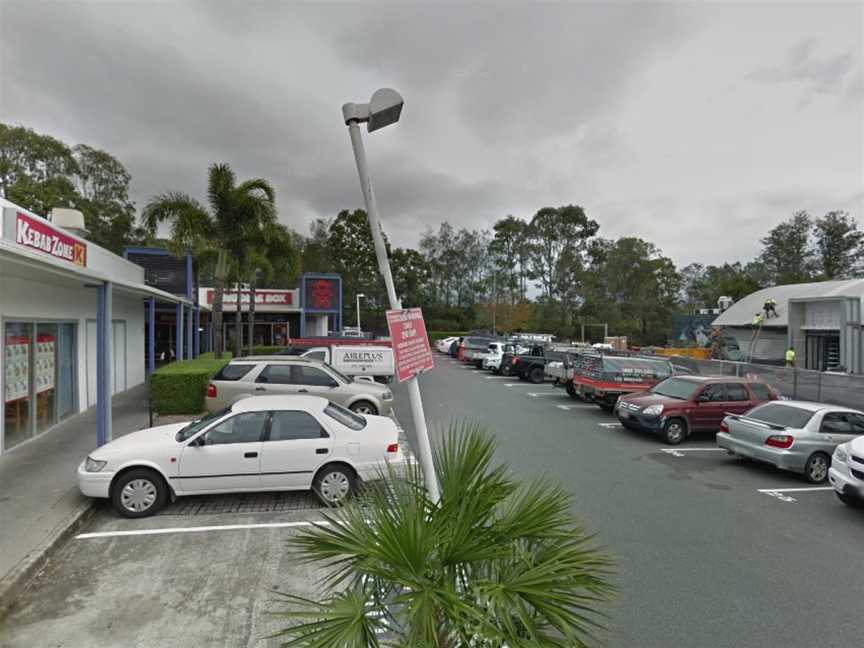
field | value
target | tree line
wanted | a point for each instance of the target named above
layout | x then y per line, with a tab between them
552	273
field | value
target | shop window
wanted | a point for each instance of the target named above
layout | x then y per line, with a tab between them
18	383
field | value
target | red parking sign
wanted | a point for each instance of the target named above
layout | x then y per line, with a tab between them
410	345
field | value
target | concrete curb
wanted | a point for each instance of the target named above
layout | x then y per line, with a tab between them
30	565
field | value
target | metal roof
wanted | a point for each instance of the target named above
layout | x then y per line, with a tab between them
741	313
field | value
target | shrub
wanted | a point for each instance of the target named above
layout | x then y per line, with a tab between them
263	350
180	387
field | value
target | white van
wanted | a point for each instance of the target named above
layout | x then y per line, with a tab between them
356	360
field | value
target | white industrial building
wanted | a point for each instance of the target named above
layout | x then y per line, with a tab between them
822	321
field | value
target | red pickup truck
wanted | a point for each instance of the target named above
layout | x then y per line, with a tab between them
603	378
682	404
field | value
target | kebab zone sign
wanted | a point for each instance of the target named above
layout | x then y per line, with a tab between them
37	234
411	350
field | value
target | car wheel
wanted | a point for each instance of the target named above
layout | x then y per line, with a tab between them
675	431
536	375
139	493
506	370
848	500
571	390
816	468
334	483
364	407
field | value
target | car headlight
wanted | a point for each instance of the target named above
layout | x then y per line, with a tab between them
653	410
387	395
92	465
840	454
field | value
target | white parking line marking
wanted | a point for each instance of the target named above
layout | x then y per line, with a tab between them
795	490
535	394
610	425
198	529
496	378
679	452
526	385
567	408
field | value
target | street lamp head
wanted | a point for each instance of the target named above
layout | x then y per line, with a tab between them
360	295
384	108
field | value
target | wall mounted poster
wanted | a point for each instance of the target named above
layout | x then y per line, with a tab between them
17	379
44	369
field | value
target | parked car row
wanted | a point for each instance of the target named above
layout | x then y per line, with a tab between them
751	420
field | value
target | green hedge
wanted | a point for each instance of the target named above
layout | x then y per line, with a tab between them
434	336
263	350
180	387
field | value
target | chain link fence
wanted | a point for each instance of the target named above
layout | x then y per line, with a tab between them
799	384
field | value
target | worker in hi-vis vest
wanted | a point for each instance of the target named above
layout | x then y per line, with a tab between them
790	357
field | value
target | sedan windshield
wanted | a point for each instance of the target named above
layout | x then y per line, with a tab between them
777	414
675	388
196	426
345	416
339	375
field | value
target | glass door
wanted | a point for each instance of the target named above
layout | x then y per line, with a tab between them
45	376
67	377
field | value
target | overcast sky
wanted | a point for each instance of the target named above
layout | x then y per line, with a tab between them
697	126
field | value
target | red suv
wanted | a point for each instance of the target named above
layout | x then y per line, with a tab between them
680	405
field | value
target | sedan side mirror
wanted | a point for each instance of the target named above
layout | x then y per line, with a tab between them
703	398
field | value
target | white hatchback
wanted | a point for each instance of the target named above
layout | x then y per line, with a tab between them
261	443
846	474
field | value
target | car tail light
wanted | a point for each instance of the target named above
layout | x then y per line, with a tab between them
775	395
393	447
211	391
513	361
724	426
780	441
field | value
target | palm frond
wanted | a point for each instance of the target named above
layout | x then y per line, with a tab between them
345	619
190	222
258	188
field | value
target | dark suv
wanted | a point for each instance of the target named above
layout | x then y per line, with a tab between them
677	406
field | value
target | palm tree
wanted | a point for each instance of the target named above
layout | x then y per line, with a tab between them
496	563
237	218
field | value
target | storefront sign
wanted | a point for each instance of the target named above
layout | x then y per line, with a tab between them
39	235
321	294
262	297
410	343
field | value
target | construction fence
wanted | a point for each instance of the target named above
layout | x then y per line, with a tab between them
842	389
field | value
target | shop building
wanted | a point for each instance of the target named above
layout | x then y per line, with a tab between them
73	318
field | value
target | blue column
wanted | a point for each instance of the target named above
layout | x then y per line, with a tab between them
104	364
197	331
151	335
178	337
190	321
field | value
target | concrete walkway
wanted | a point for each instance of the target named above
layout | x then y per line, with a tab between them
39	498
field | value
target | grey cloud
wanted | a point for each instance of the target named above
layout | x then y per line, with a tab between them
802	65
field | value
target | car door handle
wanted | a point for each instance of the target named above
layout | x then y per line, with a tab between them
260	389
250	455
321	451
302	391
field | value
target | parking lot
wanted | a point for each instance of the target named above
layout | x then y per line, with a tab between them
711	551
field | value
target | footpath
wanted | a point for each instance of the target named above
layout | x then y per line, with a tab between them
39	500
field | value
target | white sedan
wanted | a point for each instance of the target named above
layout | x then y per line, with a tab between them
262	443
846	474
443	346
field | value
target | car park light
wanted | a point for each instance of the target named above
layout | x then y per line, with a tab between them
724	426
393	447
92	465
840	454
782	441
211	391
387	395
653	410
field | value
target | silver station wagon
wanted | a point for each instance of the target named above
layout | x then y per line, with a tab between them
792	435
286	375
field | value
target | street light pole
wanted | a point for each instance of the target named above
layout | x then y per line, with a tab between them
359	295
384	109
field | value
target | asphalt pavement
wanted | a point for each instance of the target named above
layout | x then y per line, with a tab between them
711	552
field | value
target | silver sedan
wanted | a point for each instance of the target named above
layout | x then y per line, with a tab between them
792	435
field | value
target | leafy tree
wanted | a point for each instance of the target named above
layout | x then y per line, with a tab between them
510	249
238	218
839	245
495	563
787	253
411	274
559	236
349	240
